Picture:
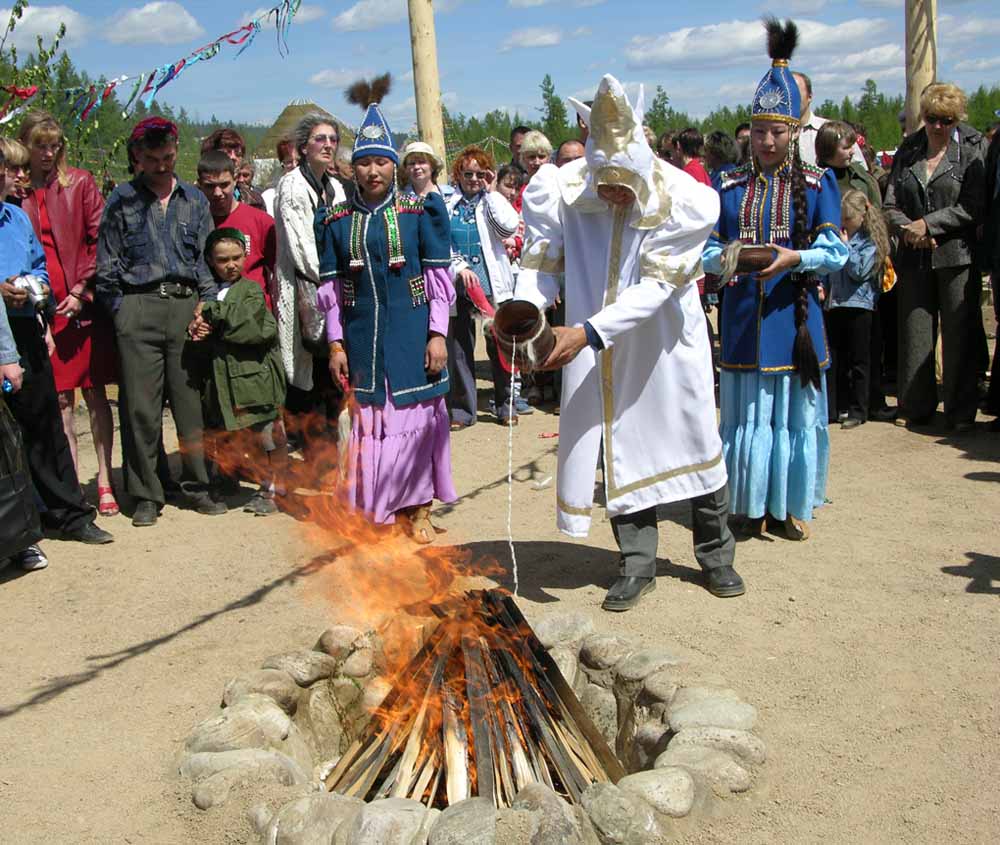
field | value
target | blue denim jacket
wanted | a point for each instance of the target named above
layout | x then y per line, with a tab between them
8	349
858	285
138	244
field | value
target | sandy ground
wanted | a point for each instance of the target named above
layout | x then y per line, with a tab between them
870	651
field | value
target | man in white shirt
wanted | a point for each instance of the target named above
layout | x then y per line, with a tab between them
812	122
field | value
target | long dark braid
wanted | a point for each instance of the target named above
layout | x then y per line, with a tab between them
803	352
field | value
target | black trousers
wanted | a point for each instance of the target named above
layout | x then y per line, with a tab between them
848	382
462	397
36	408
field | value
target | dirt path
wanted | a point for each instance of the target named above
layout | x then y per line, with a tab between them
871	651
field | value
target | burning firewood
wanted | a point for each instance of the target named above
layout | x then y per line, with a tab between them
481	709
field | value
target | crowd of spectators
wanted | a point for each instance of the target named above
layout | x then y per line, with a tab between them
110	292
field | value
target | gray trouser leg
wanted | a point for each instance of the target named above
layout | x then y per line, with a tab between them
637	537
714	544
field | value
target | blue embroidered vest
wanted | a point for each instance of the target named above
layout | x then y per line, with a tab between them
380	255
758	318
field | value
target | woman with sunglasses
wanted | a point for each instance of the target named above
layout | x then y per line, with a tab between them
933	203
481	219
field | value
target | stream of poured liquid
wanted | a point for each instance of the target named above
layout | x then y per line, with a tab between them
510	468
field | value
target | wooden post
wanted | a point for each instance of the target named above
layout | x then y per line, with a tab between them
921	55
426	83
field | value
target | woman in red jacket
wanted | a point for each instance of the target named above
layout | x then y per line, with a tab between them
65	208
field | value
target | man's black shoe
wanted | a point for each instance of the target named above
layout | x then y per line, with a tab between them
884	414
89	534
626	592
206	505
146	514
852	422
724	582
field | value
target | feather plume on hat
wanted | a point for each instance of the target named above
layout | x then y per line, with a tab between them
366	93
782	39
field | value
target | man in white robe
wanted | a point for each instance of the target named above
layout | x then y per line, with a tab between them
638	392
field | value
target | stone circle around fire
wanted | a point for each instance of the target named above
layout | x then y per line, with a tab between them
685	739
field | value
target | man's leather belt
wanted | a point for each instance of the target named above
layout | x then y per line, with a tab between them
165	290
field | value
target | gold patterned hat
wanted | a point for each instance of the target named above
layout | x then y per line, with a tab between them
617	151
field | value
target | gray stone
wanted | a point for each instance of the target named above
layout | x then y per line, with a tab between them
565	659
696	707
320	716
375	692
648	742
600	705
215	773
641	664
204	764
469	822
305	667
359	664
602	651
743	745
564	629
721	771
273	683
340	641
619	817
390	821
253	721
515	827
670	790
660	686
260	818
558	823
312	820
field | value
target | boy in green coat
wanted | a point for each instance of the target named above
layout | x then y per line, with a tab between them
245	388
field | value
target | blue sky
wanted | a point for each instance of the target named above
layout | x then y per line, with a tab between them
494	53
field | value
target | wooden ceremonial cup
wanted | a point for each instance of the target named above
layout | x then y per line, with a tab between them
523	334
753	259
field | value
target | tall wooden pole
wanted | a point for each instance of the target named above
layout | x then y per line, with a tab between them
921	55
426	83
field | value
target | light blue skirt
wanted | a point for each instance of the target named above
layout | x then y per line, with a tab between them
775	442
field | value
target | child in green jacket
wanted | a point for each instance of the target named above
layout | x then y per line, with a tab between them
245	388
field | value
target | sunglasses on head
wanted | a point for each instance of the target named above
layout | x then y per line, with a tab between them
938	120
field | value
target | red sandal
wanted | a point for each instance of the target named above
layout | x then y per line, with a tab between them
106	503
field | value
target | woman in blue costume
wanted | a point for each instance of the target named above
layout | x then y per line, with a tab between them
774	350
386	295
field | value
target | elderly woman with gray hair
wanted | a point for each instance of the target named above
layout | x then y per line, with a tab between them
933	203
301	336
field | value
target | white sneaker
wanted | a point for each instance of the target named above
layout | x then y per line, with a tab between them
32	559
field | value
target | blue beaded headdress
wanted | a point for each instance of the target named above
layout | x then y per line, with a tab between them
374	136
777	96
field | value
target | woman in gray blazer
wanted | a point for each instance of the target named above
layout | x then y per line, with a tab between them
933	203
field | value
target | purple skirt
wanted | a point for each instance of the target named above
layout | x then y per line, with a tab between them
402	457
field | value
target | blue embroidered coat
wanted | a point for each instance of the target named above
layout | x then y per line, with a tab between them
380	255
758	318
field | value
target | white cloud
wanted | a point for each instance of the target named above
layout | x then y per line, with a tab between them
883	4
44	21
951	28
581	32
977	65
306	13
883	56
532	36
738	42
373	14
154	23
338	78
